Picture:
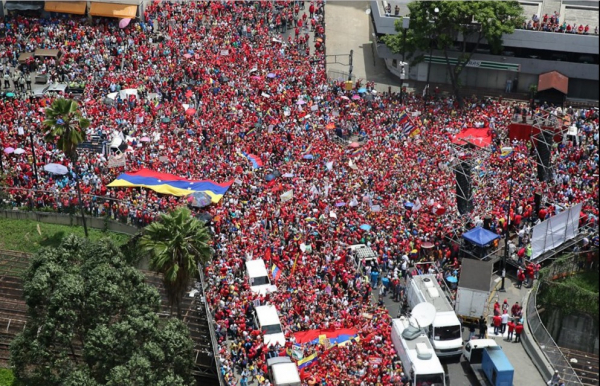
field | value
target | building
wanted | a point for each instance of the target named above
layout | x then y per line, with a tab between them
527	54
123	9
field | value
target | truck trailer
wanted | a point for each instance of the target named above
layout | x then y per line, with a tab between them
445	333
418	358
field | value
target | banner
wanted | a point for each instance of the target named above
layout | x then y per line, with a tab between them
553	232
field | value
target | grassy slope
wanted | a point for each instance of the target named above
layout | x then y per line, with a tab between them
29	236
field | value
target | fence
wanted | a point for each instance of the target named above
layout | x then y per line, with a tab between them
339	76
568	265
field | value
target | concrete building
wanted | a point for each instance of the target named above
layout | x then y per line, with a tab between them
527	54
122	9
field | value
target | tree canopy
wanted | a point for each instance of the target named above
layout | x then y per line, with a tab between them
176	244
92	320
477	21
65	125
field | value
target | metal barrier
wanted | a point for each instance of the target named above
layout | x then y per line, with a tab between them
211	327
339	76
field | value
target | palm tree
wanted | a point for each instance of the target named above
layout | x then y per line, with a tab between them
176	243
66	127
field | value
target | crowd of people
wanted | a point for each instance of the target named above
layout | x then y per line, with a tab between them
216	80
551	23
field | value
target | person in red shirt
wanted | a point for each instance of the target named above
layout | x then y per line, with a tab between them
520	278
518	332
497	323
511	329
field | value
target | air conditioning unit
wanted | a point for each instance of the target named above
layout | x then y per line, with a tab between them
428	283
433	293
423	352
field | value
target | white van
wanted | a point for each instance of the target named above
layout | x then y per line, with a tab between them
473	349
267	319
258	277
283	372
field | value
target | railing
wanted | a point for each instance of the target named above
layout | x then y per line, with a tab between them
339	76
211	327
540	334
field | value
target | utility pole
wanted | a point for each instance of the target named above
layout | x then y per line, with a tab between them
507	235
34	159
351	67
405	26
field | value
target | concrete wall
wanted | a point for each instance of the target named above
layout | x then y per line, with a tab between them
65	219
575	331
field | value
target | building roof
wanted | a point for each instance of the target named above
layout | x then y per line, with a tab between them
476	274
555	80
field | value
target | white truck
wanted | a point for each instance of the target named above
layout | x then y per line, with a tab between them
418	358
473	289
283	372
445	332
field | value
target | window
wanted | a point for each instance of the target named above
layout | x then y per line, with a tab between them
271	329
447	333
259	280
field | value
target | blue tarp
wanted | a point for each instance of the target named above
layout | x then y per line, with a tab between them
480	237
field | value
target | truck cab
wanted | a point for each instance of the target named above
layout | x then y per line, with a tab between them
283	372
473	350
361	256
267	319
258	277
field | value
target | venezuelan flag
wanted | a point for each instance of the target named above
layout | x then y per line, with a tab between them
403	118
256	161
356	152
275	272
339	336
414	132
506	153
170	184
308	361
251	131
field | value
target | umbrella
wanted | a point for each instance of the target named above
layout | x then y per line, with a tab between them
330	126
124	22
427	245
345	97
277	173
354	144
19	151
270	177
301	102
187	56
340	203
145	139
206	217
362	90
408	205
56	169
365	227
288	175
452	279
10	94
308	156
355	97
200	199
271	75
438	209
9	150
190	111
319	40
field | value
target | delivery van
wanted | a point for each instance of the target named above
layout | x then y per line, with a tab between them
267	319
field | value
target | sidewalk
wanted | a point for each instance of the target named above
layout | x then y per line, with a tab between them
525	371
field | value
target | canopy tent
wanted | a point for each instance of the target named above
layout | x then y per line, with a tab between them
54	53
480	237
24	56
122	11
14	5
478	137
73	7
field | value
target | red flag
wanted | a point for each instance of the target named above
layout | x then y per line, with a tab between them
268	254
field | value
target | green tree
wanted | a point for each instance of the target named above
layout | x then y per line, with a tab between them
176	244
92	321
476	21
66	127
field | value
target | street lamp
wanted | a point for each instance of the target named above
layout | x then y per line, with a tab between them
507	150
436	12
